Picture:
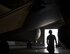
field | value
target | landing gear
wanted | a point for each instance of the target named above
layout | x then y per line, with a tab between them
29	44
4	47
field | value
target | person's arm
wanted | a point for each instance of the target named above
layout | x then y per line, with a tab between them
47	41
56	41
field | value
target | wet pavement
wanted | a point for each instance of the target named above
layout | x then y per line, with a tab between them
36	50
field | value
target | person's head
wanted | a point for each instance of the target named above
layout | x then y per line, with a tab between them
50	31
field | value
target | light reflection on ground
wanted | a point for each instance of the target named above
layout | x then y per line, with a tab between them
56	51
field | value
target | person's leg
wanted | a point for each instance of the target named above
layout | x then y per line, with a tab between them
51	51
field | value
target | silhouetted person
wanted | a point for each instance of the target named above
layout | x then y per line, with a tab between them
50	42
